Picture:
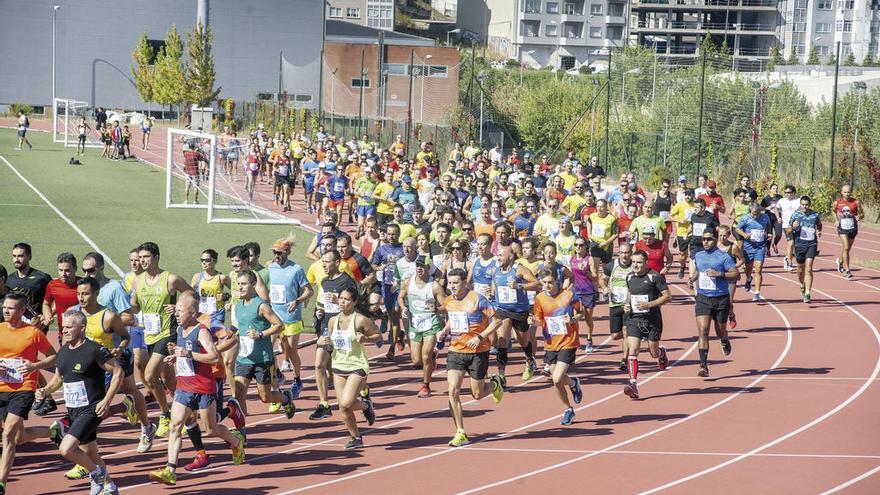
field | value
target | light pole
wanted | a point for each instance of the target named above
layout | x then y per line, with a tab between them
700	123
834	110
450	32
54	17
332	106
528	52
425	71
860	88
666	126
481	77
595	82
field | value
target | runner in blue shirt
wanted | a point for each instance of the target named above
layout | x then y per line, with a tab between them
753	229
713	270
337	186
406	196
309	172
806	228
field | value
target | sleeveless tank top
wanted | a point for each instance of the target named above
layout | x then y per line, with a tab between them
193	376
95	328
421	304
483	276
252	351
348	353
209	290
152	300
506	298
618	284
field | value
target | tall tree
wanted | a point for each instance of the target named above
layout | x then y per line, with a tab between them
792	57
813	57
142	68
169	80
200	69
775	59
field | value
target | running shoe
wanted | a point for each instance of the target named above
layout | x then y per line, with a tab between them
274	407
286	366
296	387
631	390
460	439
200	462
786	264
622	365
97	481
321	412
807	297
589	346
355	443
76	473
56	432
164	476
130	413
425	391
731	320
164	426
390	354
529	370
48	407
839	265
235	413
725	347
663	359
279	378
146	440
576	391
704	372
369	412
567	417
848	274
546	369
290	407
497	388
110	489
756	297
38	404
238	450
503	381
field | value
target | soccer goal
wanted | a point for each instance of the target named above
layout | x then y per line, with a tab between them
188	157
66	114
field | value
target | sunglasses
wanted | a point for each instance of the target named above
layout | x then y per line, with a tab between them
278	253
468	229
579	244
89	270
206	260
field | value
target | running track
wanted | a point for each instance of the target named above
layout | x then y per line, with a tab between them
792	410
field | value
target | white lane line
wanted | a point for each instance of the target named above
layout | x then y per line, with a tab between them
803	428
697	414
22	205
79	231
852	481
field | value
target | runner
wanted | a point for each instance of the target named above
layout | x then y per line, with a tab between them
637	227
614	286
364	188
468	325
209	284
151	294
788	205
480	270
193	354
146	127
23	124
806	227
585	284
753	229
420	296
847	214
20	343
239	258
337	185
60	292
28	282
770	204
603	233
81	366
82	130
701	221
659	256
384	261
348	330
663	203
557	312
715	271
724	244
132	319
681	215
646	292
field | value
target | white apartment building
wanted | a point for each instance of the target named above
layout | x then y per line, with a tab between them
823	23
377	14
540	33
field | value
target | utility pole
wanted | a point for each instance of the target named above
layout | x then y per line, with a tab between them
834	111
860	87
607	110
412	53
700	124
666	126
361	98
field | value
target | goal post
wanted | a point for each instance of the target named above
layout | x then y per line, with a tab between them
178	183
66	113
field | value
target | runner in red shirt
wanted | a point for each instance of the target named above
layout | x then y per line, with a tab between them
714	201
847	213
624	221
61	292
659	256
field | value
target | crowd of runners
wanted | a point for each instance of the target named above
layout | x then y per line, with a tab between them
464	262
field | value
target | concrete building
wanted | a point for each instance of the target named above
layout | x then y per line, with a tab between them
94	40
386	91
540	33
378	14
821	24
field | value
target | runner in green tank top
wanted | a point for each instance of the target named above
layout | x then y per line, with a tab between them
419	298
613	284
348	331
239	258
151	294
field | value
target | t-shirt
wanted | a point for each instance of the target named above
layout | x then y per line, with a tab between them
788	207
330	289
757	229
808	226
638	226
310	169
647	287
550	312
681	214
386	256
467	317
336	185
384	190
286	284
701	223
714	203
63	295
719	261
32	286
114	297
82	373
364	187
17	344
406	198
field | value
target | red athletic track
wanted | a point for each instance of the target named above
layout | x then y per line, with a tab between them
792	410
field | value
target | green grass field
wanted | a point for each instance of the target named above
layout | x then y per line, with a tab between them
118	205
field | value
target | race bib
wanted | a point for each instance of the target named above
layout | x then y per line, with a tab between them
689	213
530	294
757	235
330	305
556	325
277	294
9	374
338	187
438	260
152	323
664	215
808	234
699	228
423	322
75	394
635	300
380	275
208	305
458	322
245	346
618	295
482	289
506	295
705	282
847	223
342	340
185	367
598	230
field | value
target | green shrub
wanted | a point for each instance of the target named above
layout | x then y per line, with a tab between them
24	107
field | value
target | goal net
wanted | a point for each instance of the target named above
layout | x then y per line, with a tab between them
66	117
189	156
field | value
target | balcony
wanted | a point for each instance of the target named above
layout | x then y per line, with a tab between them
677	27
615	19
573	9
704	5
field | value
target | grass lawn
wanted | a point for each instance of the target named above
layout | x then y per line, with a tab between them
118	205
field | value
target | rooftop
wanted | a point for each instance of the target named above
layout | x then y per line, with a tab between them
347	32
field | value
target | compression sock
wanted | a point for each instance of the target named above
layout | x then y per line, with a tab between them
194	432
501	357
704	358
632	365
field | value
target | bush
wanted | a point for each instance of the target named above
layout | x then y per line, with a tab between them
822	193
24	107
656	176
585	69
512	63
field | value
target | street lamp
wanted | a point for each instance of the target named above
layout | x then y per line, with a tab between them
425	67
528	52
456	30
54	17
666	125
834	109
481	77
860	87
332	106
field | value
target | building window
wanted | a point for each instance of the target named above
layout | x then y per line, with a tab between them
552	7
801	49
551	30
822	50
614	32
530	29
595	32
335	11
533	6
595	9
574	9
843	26
567	63
353	13
875	27
357	83
615	9
571	30
823	27
396	69
824	4
302	98
799	27
846	4
800	4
